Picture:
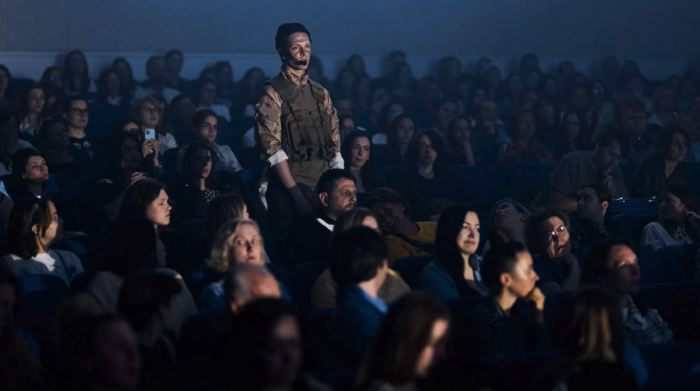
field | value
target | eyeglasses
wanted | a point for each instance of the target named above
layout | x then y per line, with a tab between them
151	110
426	147
240	242
78	111
554	235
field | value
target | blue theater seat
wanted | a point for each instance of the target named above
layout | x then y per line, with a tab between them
631	227
410	268
389	174
199	277
635	207
672	366
42	297
484	184
678	305
678	262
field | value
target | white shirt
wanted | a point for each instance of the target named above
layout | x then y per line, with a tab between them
249	138
165	142
655	235
226	158
220	110
168	93
46	259
379	139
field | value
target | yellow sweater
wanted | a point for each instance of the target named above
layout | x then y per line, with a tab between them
399	248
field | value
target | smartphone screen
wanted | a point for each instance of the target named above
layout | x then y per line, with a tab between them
150	134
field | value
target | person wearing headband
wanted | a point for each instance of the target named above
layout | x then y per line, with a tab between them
298	131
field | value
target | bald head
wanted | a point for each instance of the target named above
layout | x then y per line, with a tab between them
247	282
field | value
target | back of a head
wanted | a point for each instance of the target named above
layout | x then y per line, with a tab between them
405	332
132	247
592	327
501	258
143	295
238	280
26	213
221	209
356	254
355	217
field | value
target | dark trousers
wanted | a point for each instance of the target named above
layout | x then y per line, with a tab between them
281	211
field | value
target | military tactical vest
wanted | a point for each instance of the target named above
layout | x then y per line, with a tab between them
306	127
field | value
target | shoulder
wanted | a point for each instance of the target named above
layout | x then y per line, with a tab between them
429	226
653	227
575	157
66	255
318	88
435	270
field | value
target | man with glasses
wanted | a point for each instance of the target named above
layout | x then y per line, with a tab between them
75	112
549	240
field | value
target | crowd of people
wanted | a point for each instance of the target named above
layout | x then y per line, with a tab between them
166	244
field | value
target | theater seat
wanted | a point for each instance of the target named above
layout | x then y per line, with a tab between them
635	207
526	181
199	277
672	366
42	297
283	276
630	227
305	276
388	174
678	262
678	305
484	184
318	320
650	266
410	268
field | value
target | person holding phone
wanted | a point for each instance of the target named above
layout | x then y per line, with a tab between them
146	114
678	222
298	130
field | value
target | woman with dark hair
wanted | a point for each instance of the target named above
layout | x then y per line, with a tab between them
127	84
53	76
409	344
146	113
108	88
614	265
664	168
398	138
149	302
266	331
678	221
389	112
344	82
98	353
459	147
29	175
549	240
248	89
501	324
205	129
75	112
34	225
356	150
512	98
428	186
574	133
446	111
76	77
522	145
455	271
361	92
31	111
5	78
403	83
146	200
226	93
206	98
356	65
61	157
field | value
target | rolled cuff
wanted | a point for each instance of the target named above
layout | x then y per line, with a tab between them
278	157
337	161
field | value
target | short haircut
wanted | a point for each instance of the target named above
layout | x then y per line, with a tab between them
611	134
386	195
437	141
330	178
356	254
68	103
173	52
20	159
287	29
501	258
143	295
595	265
222	248
351	218
602	192
236	281
533	236
137	199
665	138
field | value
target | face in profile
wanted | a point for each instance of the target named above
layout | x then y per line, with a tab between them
671	207
282	358
468	237
622	274
115	358
435	352
200	164
158	211
677	148
36	100
389	215
589	206
523	278
247	245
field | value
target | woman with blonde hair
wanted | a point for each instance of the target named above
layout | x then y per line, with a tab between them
323	292
238	241
146	113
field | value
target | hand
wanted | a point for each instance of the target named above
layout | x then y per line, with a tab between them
301	204
146	147
693	218
154	147
536	298
137	176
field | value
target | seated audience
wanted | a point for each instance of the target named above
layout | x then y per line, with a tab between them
446	111
9	140
226	91
127	84
76	77
5	78
182	112
34	226
573	134
269	350
456	270
148	302
359	266
389	112
501	323
146	114
61	155
29	175
665	168
205	129
75	112
324	290
31	110
146	200
549	240
108	89
522	145
593	222
410	343
357	153
311	234
156	83
99	353
633	122
398	138
592	331
404	238
614	265
581	168
459	147
509	216
174	60
429	187
678	221
206	97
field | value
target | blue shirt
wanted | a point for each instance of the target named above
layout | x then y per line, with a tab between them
378	303
437	280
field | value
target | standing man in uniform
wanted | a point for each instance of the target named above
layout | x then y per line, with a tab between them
297	129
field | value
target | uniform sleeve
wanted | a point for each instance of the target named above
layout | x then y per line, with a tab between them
335	128
267	125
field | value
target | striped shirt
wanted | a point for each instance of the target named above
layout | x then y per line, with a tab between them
644	329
